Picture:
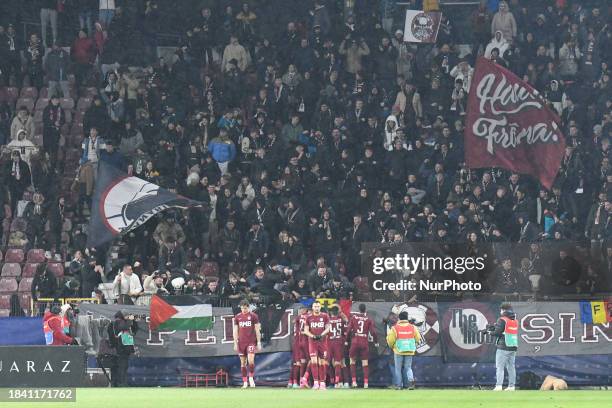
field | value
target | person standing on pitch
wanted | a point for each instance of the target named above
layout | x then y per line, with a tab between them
505	331
360	327
317	327
247	340
403	338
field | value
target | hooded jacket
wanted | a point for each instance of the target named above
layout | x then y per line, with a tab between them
500	326
390	134
501	45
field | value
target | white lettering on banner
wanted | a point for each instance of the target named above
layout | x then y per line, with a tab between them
30	367
155	337
590	332
283	326
501	101
567	333
503	95
536	333
195	337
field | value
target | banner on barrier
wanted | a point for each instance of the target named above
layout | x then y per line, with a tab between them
218	341
454	330
42	366
21	331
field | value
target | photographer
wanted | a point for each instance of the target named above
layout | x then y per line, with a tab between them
121	337
505	331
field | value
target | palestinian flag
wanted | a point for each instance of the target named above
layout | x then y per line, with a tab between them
180	313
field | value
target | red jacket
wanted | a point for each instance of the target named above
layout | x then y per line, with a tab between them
54	323
83	51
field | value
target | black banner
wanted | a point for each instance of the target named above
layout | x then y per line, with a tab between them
42	366
122	203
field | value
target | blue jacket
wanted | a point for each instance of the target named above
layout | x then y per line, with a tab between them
222	151
101	145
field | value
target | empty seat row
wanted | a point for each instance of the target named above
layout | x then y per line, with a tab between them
17	255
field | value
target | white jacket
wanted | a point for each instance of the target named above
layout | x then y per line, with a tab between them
390	134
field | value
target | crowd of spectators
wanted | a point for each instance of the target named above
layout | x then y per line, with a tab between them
306	128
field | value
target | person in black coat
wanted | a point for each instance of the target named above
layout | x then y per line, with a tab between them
172	256
121	338
44	284
36	212
18	178
54	118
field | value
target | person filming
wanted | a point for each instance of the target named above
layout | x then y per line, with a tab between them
121	337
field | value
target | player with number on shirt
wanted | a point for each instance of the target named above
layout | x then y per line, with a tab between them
300	349
317	327
247	340
360	326
336	343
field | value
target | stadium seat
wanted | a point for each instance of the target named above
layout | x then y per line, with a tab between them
14	255
67	104
29	269
76	129
1	256
5	312
11	270
83	104
73	155
38	117
3	94
37	139
8	285
41	104
65	129
209	269
89	92
27	102
25	284
36	255
44	92
5	301
25	302
57	268
12	94
68	117
28	92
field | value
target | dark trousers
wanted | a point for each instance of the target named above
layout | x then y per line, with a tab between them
119	372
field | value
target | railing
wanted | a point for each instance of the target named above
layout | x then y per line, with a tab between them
39	306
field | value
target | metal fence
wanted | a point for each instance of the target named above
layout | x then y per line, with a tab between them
39	306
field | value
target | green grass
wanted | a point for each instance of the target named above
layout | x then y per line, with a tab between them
280	397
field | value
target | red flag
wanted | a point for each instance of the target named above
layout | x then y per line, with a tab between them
508	125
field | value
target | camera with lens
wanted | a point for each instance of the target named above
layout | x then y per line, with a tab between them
75	308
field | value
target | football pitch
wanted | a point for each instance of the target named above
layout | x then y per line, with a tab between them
280	397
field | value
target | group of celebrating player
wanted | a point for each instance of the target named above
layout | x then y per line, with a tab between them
321	341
